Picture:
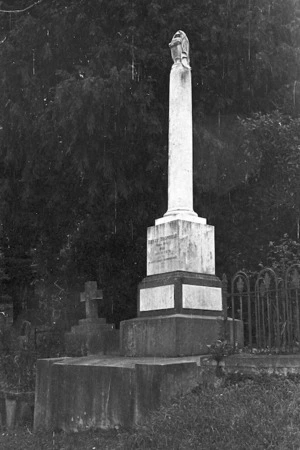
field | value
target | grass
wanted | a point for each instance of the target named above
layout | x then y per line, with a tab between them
23	439
244	413
259	413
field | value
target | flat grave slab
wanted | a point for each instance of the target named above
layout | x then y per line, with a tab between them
76	394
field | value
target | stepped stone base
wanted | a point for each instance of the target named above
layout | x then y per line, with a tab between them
172	336
75	394
91	328
92	336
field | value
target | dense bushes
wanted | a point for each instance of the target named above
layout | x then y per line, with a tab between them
18	355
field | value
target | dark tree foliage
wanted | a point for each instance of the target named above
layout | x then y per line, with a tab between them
84	126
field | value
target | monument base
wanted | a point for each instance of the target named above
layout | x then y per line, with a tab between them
180	293
173	336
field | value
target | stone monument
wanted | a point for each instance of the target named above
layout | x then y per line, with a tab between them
179	302
181	298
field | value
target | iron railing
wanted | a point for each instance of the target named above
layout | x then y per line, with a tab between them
268	305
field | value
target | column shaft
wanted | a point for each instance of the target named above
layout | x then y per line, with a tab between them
180	172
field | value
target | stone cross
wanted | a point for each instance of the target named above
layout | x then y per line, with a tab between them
90	296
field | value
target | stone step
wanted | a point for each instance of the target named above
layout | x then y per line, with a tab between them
91	328
99	320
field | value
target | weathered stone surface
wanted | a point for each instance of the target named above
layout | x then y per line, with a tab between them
91	396
103	392
180	245
44	393
157	384
171	336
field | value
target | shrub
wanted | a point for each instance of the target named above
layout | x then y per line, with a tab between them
17	362
49	342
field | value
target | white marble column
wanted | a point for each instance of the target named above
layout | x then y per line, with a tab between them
180	170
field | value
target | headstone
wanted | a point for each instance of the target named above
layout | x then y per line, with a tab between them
92	335
90	296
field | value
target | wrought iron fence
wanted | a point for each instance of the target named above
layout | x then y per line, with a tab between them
268	305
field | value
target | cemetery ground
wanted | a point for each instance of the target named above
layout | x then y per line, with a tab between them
238	412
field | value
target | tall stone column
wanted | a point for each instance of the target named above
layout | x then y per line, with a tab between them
180	170
180	165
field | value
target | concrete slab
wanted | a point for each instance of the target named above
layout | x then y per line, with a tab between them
75	394
120	361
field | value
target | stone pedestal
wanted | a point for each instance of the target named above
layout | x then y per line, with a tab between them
87	326
168	336
180	245
180	270
176	335
180	300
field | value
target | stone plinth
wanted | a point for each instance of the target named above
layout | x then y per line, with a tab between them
180	293
172	336
91	336
87	326
181	245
